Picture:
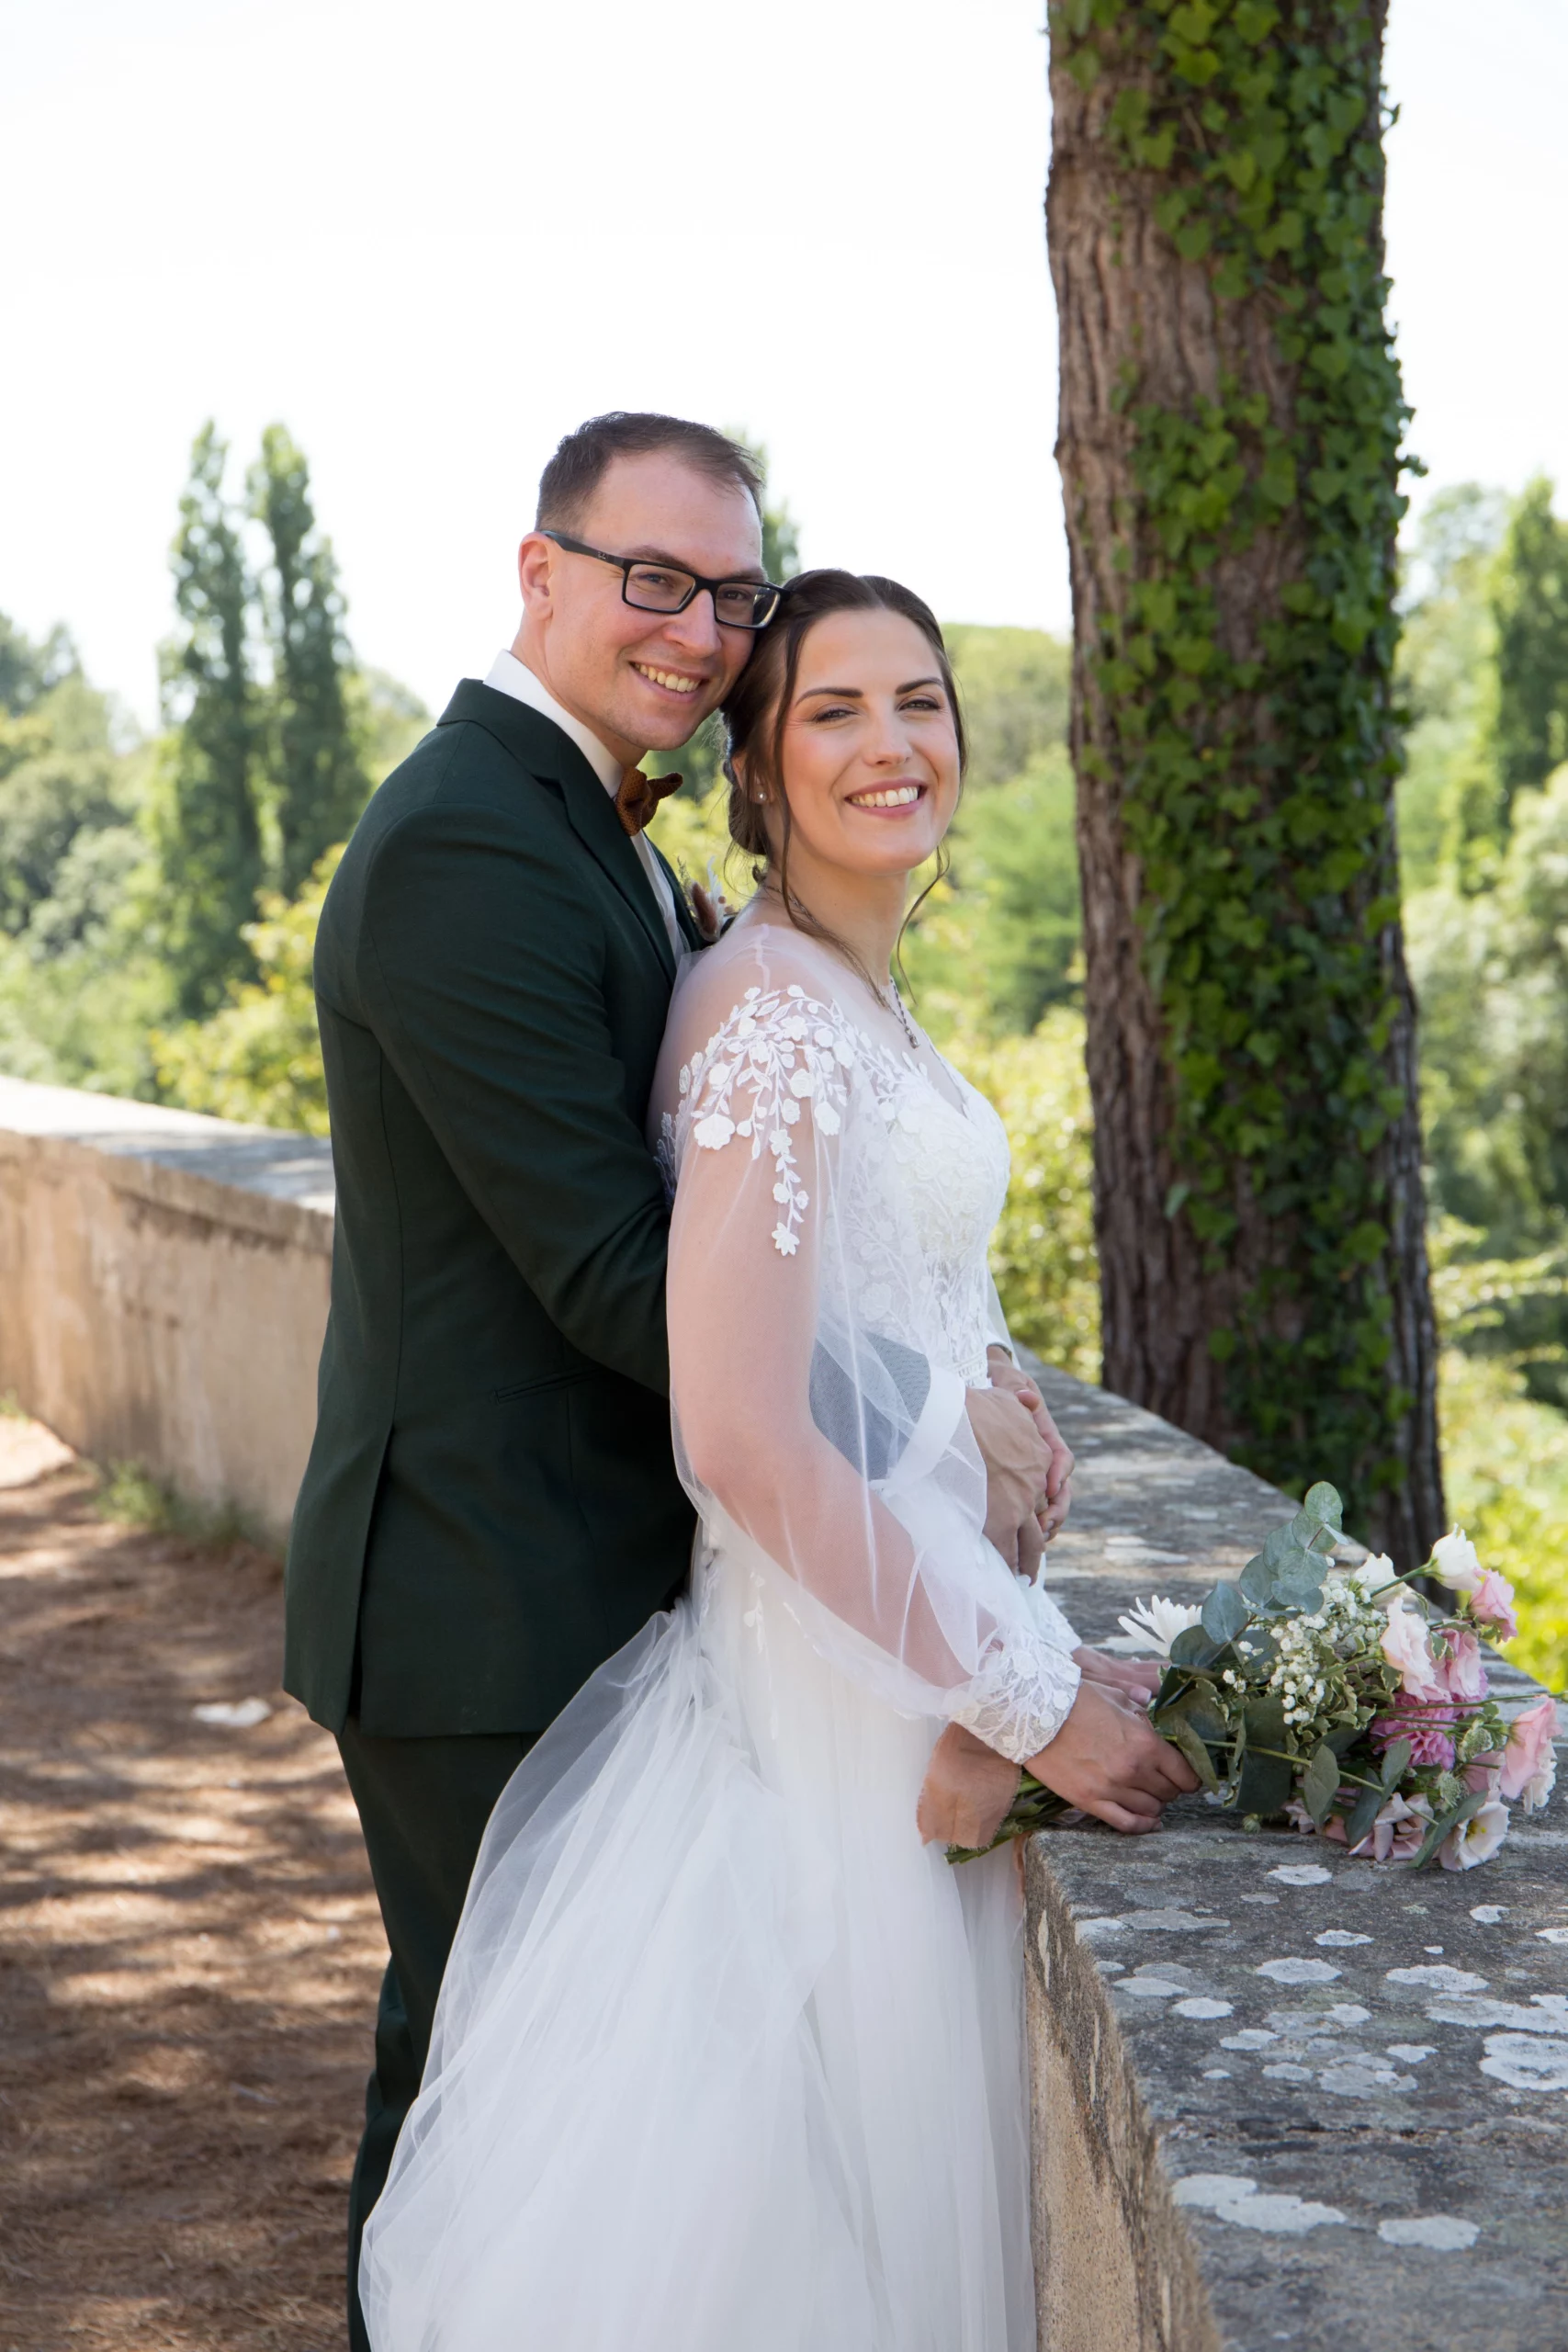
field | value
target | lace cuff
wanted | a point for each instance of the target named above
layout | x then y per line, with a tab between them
1021	1698
1052	1625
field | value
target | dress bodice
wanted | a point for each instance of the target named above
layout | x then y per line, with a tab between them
921	1180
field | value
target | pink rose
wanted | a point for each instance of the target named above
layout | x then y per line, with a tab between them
1460	1666
1492	1603
1408	1648
1475	1840
1530	1760
1428	1730
1397	1832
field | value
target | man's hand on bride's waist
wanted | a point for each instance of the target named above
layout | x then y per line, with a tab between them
1018	1465
1029	1485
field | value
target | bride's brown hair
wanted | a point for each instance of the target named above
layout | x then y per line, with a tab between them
763	694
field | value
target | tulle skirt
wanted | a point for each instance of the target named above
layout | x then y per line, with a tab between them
726	2059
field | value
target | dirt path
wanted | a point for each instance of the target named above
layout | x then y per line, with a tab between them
189	1946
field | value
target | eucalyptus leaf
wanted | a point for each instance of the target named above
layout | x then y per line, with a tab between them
1363	1813
1322	1502
1395	1764
1193	1646
1264	1784
1320	1784
1301	1589
1181	1735
1257	1580
1225	1614
1280	1548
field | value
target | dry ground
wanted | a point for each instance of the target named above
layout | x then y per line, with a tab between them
189	1946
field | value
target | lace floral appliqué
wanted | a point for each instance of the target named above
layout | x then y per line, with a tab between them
779	1050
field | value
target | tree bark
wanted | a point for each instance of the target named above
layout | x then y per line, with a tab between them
1143	331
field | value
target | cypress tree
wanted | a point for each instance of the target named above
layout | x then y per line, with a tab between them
205	823
319	784
1529	609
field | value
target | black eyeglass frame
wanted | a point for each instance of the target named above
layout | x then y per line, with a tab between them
627	564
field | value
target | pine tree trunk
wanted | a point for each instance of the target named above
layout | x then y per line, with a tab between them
1250	1023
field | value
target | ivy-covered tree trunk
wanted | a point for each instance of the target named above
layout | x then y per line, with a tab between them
1230	424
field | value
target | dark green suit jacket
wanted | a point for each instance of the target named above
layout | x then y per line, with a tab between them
491	1506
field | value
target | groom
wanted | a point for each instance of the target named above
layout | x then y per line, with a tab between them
491	1506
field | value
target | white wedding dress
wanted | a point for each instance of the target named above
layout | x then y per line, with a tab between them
726	2059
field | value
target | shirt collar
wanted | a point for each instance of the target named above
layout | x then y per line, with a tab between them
510	677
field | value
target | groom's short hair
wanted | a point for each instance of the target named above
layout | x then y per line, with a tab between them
574	473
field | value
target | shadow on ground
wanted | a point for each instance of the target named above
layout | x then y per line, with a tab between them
189	1948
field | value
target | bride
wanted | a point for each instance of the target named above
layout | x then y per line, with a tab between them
728	2055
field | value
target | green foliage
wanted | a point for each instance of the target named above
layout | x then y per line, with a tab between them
28	671
312	755
61	786
205	821
1043	1251
1506	1466
1014	685
1255	781
1529	613
1491	970
1000	938
258	1059
1447	679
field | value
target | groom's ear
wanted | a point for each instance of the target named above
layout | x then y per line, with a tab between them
536	570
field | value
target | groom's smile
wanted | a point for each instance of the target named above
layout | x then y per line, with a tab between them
675	681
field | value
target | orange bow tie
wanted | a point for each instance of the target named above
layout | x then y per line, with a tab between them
638	796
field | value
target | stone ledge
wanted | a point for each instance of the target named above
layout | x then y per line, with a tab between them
1135	2093
260	1181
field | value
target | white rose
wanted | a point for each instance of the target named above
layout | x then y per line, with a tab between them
1454	1561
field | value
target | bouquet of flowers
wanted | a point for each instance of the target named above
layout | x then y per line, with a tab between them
1346	1703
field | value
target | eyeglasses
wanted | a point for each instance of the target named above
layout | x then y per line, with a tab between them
661	588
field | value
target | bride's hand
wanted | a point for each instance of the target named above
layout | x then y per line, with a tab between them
1140	1678
969	1789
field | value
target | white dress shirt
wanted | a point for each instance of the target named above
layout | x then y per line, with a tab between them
510	677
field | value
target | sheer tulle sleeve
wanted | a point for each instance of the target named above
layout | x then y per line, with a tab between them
815	1428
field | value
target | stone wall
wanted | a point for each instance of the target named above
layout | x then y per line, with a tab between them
163	1285
1282	2097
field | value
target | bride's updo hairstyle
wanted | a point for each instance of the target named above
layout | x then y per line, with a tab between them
757	712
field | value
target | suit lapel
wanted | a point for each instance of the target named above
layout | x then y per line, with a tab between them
538	745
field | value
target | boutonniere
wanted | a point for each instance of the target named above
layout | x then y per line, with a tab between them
711	910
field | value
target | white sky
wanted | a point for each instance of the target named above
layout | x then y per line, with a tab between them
431	240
